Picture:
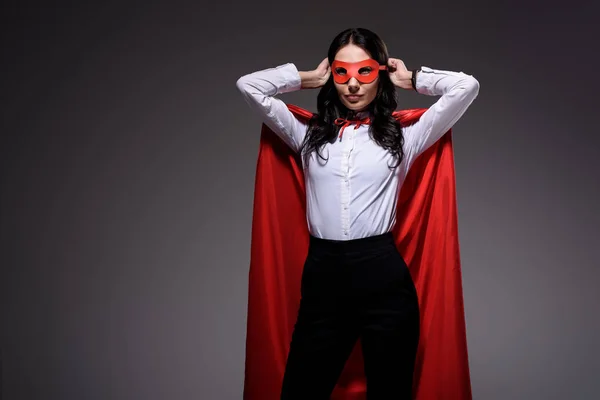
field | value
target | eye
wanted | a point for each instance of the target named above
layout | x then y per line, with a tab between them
365	70
340	71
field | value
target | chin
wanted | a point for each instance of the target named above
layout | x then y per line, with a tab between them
360	106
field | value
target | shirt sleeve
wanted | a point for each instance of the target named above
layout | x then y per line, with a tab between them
457	91
259	90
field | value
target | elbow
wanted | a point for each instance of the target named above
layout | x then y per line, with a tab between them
241	84
472	87
467	89
247	86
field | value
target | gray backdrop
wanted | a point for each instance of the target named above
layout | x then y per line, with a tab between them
127	172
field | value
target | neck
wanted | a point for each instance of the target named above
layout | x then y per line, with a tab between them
352	114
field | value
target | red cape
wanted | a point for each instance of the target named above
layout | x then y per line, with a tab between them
426	234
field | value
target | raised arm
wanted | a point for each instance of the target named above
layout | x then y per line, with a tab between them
259	90
457	91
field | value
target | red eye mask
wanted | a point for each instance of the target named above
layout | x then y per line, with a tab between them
365	71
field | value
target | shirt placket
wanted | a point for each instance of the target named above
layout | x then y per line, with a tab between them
345	184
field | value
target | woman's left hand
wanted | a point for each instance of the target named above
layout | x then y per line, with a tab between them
399	75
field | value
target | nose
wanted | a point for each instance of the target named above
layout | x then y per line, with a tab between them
353	85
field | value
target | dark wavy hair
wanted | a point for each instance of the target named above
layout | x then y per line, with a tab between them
384	129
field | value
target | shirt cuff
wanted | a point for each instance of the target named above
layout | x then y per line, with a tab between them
424	80
290	78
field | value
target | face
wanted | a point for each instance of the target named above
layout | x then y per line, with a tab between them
355	94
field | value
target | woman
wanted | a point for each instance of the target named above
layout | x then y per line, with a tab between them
355	284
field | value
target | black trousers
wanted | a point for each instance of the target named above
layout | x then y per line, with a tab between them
354	290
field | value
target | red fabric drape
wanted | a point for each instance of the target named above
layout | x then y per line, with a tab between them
426	234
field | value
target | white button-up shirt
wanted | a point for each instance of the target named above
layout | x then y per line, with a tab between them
354	193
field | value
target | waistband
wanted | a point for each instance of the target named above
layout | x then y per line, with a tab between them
353	245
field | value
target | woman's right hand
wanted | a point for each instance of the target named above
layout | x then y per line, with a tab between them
317	77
